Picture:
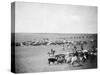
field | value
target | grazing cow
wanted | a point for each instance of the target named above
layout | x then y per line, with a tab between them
60	55
53	60
60	58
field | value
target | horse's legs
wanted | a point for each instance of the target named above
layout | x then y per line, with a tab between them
71	62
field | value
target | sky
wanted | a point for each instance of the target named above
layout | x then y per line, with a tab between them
54	18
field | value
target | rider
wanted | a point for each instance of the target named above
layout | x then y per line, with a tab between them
52	51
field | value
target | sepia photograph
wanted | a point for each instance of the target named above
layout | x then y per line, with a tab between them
47	37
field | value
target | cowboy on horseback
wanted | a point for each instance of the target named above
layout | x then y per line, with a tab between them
51	53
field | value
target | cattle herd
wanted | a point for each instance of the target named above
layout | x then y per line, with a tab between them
75	57
40	42
52	42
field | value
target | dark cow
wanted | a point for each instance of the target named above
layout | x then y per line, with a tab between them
53	60
60	58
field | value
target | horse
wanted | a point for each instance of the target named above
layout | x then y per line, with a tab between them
83	58
51	53
74	59
68	58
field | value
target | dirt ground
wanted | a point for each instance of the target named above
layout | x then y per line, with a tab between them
35	59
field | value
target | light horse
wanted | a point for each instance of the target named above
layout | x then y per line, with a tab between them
74	59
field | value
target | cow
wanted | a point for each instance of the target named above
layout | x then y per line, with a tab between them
60	58
53	60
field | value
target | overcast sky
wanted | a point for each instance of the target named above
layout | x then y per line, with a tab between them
55	18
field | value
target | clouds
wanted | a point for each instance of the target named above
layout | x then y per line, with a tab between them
55	18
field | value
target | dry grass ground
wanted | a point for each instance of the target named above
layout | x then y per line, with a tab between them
35	59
